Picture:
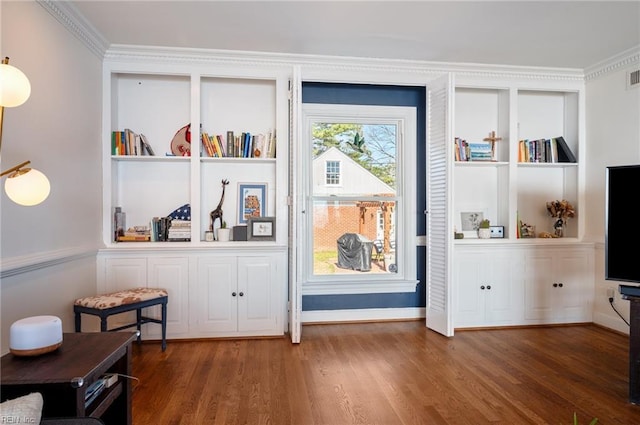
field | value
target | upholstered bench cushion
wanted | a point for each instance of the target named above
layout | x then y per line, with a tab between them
119	298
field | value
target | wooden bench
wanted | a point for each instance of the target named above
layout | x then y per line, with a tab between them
136	299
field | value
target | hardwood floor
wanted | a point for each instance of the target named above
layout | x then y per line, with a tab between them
390	373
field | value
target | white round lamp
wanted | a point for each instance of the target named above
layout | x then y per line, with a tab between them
35	335
27	186
15	88
24	186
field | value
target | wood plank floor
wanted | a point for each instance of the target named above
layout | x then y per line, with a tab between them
390	373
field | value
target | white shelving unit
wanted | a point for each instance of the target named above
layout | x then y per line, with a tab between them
521	272
158	99
505	190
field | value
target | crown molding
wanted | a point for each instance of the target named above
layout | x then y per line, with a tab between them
622	60
334	64
77	25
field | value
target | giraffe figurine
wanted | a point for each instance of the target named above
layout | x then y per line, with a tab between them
217	213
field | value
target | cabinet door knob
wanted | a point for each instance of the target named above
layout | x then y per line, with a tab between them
560	285
555	285
241	294
488	286
482	287
233	294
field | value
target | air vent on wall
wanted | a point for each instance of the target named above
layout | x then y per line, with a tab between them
633	79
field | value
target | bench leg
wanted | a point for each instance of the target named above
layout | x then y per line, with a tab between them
164	326
103	323
78	322
139	324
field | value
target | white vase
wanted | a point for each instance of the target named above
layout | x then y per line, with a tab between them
484	233
223	234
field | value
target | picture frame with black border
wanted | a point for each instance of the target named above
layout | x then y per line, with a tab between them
496	231
261	229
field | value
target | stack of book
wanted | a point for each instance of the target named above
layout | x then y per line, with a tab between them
474	151
93	391
179	231
136	234
243	145
160	229
545	151
128	142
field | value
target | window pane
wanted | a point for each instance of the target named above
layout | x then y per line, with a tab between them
372	249
359	158
333	172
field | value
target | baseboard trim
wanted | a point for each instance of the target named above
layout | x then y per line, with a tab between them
362	315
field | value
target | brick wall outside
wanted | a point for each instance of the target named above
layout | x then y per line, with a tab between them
341	220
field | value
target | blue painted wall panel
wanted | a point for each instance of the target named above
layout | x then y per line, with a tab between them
365	94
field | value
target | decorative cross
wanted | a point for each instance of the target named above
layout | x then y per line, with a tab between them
492	137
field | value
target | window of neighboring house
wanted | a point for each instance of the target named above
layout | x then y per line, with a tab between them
333	173
360	159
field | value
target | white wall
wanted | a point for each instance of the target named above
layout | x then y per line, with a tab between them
613	138
48	251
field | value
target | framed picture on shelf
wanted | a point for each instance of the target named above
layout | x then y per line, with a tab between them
261	229
252	201
481	151
470	222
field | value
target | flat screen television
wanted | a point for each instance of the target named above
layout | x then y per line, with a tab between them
622	252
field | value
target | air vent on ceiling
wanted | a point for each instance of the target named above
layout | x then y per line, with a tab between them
633	78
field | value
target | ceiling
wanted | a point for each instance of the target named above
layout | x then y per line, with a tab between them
564	34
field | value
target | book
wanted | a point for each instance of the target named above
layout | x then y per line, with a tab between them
564	153
221	145
134	238
206	144
146	145
230	144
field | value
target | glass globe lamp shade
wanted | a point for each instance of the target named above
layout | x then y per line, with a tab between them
27	187
14	86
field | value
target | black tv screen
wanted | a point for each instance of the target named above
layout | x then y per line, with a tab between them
622	252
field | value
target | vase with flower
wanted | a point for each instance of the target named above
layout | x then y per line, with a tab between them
560	211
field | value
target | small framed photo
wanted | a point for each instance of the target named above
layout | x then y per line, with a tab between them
470	222
252	201
261	229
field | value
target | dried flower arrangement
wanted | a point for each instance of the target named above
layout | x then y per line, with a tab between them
561	211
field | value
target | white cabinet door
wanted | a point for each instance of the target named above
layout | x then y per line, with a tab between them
257	295
504	288
120	274
489	287
470	273
123	273
573	278
239	296
557	286
172	274
218	295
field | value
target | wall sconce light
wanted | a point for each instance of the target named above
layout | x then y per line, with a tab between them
24	186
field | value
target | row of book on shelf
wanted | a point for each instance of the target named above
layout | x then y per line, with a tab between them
161	229
242	145
545	151
127	142
535	151
474	151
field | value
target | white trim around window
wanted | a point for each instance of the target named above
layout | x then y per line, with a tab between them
362	283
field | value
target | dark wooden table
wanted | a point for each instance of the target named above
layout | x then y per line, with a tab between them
63	376
632	293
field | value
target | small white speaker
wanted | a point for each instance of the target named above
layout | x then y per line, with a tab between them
35	335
